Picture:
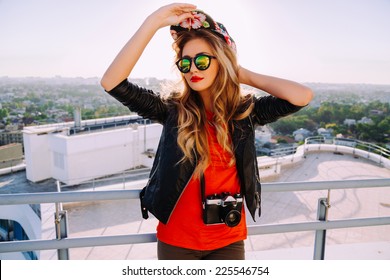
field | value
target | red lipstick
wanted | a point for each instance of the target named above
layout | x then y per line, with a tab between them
196	79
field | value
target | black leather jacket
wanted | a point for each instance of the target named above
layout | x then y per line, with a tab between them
167	178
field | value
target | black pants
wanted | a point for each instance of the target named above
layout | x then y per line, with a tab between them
234	251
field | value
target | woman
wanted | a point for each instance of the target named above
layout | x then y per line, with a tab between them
205	168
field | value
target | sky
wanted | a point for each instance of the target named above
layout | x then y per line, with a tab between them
325	41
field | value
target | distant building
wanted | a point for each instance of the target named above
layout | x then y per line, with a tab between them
349	122
11	155
9	137
263	134
376	112
301	134
324	132
366	120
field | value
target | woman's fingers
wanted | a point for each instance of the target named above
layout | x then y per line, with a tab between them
174	13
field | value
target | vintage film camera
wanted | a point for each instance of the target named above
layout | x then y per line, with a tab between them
223	208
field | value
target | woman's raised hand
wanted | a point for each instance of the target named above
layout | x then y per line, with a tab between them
173	14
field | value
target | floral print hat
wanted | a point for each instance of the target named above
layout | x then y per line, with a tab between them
202	20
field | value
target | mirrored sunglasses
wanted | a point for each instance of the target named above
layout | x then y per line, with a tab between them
201	61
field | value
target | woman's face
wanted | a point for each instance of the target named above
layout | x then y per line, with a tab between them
200	80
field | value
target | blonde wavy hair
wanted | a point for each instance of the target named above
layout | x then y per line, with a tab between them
228	103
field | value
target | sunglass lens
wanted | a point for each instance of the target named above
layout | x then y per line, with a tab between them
202	62
184	65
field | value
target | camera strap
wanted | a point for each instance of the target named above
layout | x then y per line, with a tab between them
202	189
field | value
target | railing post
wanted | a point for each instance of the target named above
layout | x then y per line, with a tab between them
61	219
61	223
320	239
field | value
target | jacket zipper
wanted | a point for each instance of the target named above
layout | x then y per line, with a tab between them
189	180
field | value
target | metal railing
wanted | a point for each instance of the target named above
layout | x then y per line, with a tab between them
319	226
354	143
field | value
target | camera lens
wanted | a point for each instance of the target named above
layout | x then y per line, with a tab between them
233	218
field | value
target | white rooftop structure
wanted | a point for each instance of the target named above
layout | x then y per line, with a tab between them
98	148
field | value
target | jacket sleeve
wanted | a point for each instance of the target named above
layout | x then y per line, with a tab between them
142	101
269	108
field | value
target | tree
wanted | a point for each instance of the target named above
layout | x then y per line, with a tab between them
4	113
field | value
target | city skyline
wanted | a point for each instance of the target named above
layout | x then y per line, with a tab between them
307	41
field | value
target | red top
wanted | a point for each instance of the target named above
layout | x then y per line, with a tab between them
185	227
